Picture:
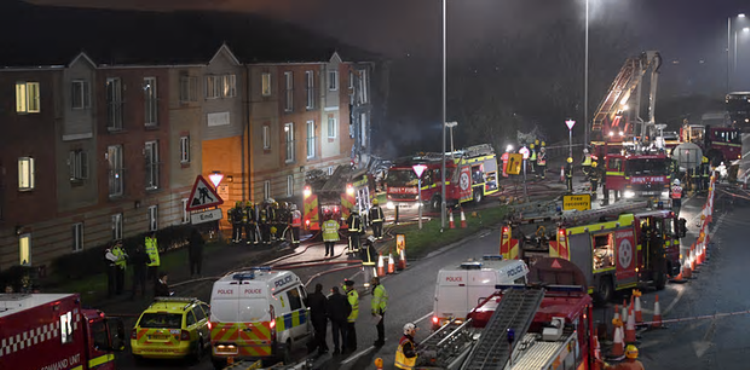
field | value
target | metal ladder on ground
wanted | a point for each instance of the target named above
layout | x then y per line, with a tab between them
534	211
516	311
595	214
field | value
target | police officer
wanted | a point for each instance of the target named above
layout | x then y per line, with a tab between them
122	265
541	162
330	231
235	217
296	224
378	305
351	332
376	219
406	353
152	249
569	175
586	163
248	220
676	195
111	260
354	224
532	158
594	178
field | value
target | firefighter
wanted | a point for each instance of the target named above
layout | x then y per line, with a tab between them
296	225
541	162
248	220
235	217
285	220
695	178
631	361
122	266
274	221
586	163
594	178
406	353
263	222
376	219
705	174
330	231
354	224
675	195
532	158
368	254
152	249
569	175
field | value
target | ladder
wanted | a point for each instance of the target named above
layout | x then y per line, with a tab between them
578	217
532	212
618	94
516	311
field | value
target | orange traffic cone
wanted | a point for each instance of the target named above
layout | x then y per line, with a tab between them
638	312
657	314
630	328
391	264
597	351
379	363
402	259
450	220
617	317
463	219
618	347
381	265
687	271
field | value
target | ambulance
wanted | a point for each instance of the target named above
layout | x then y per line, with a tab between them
258	314
460	288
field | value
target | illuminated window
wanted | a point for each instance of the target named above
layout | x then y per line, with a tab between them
265	88
27	97
24	250
229	86
185	149
117	226
289	141
25	173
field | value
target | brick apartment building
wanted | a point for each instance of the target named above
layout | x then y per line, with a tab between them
104	140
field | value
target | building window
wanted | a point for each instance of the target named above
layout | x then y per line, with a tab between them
24	250
289	141
80	95
310	139
229	86
114	157
265	84
330	170
78	164
117	226
149	91
213	87
151	153
363	129
267	189
185	213
78	237
363	86
310	89
188	89
290	185
266	137
289	91
185	149
27	97
25	173
351	80
331	127
333	80
114	104
153	218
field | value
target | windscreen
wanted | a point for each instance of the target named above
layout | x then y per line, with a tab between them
647	167
401	177
161	321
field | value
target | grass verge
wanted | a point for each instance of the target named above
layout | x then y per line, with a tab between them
421	242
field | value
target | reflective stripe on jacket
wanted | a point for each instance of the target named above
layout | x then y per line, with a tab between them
403	362
541	160
379	300
586	160
353	297
331	231
676	192
296	218
376	214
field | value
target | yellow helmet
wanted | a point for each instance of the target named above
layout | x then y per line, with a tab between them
248	204
536	142
570	160
543	143
631	352
593	164
531	146
276	205
273	231
238	204
705	160
375	202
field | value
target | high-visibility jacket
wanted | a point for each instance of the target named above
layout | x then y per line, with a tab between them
406	345
330	231
379	301
533	155
296	218
586	160
249	216
152	249
121	256
541	159
263	215
355	223
706	170
376	214
353	297
676	192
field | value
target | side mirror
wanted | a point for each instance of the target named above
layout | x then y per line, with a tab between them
116	330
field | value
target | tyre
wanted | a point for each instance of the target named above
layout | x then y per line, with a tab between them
605	291
286	353
478	197
660	280
197	353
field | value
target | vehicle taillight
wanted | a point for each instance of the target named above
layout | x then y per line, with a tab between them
185	335
307	191
272	312
210	325
134	334
435	320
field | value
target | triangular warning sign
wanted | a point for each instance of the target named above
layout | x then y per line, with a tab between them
556	264
203	196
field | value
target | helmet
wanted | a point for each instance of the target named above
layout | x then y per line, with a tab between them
238	204
705	160
293	207
677	181
543	149
375	202
276	205
531	146
543	143
273	229
409	327
593	164
249	203
536	142
570	160
585	151
631	352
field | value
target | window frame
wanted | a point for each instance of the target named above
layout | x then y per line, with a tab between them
78	166
213	87
28	247
116	175
188	89
288	91
333	80
290	185
310	90
153	171
332	126
266	189
266	88
84	94
153	217
26	181
117	226
78	236
28	102
185	149
363	85
266	137
310	147
185	212
289	142
113	96
150	102
229	86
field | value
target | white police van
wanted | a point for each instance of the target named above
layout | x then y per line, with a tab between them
258	313
461	288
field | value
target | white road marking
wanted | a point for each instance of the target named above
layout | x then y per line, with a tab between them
358	355
423	317
680	292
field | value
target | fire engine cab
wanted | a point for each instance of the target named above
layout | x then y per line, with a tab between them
637	175
334	196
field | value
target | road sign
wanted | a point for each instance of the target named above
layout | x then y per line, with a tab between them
208	216
570	123
581	202
419	169
203	196
525	152
400	242
515	161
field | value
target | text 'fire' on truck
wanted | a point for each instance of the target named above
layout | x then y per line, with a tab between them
335	195
470	175
618	247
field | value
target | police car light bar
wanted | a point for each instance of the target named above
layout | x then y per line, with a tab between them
492	257
261	268
244	276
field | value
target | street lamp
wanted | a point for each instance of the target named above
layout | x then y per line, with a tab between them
451	125
586	81
443	114
729	48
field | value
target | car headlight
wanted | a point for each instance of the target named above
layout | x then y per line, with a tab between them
629	194
390	205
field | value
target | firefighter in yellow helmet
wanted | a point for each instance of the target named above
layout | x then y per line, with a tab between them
595	177
631	360
569	175
376	219
532	158
235	218
705	175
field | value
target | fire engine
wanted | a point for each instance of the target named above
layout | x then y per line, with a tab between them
335	195
637	175
618	247
53	331
719	144
470	175
524	327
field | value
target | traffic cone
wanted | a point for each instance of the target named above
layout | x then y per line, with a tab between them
463	219
618	347
656	322
638	312
597	351
450	220
378	363
381	265
391	264
402	259
617	317
687	271
630	328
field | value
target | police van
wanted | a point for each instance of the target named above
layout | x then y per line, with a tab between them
258	314
461	288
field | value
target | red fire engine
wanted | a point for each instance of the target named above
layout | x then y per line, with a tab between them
637	175
335	196
719	144
52	331
470	175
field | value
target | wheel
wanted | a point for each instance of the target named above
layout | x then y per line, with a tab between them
605	291
435	203
478	196
286	353
197	353
660	281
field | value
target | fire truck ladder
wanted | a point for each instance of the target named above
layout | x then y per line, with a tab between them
617	95
516	311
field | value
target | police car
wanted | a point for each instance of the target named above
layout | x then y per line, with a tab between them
257	314
460	288
171	327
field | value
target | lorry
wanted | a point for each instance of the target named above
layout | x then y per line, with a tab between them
54	331
470	175
618	247
335	195
546	324
460	288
